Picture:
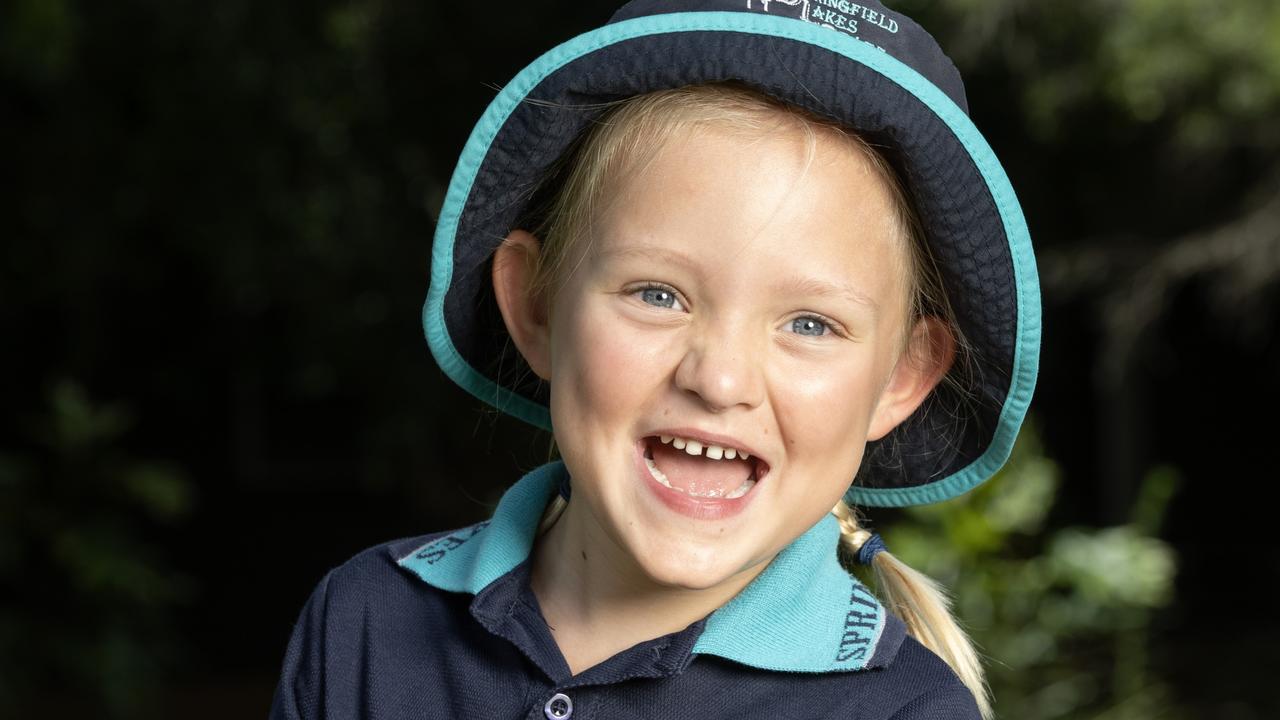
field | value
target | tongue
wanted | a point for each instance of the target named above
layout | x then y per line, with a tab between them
698	475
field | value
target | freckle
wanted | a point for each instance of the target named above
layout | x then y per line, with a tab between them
584	554
666	412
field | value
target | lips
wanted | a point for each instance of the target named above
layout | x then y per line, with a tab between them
700	487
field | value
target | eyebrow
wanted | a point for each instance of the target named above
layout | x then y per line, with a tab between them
792	285
650	252
822	288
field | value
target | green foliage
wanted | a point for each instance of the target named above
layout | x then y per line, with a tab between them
1211	73
1061	615
38	38
1215	69
89	590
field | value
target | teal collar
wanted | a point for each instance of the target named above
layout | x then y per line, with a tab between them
804	613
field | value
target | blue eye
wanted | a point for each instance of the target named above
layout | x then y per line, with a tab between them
660	297
809	325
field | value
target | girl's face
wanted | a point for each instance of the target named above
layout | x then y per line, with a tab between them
731	297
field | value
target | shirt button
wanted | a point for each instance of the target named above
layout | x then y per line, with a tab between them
559	707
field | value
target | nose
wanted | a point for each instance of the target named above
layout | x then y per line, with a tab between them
722	367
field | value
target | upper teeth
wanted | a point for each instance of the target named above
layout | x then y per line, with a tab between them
693	447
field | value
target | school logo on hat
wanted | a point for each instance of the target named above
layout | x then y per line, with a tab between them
835	14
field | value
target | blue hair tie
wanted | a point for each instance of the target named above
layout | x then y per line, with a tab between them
873	545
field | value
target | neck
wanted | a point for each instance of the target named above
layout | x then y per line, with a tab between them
598	601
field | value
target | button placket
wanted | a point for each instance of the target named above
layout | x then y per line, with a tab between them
559	707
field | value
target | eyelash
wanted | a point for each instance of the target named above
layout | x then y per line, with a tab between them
828	323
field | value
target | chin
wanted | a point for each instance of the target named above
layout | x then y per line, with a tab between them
678	567
684	578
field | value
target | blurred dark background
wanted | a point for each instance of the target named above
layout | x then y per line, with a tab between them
216	236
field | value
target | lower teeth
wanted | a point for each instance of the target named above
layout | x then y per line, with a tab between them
737	493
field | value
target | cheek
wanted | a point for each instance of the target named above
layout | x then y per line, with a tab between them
824	412
602	368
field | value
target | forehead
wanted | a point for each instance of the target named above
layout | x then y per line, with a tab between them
755	208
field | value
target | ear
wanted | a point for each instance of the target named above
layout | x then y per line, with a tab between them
929	353
526	317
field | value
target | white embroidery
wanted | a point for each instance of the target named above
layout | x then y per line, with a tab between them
804	6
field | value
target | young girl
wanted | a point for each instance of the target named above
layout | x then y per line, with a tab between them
753	266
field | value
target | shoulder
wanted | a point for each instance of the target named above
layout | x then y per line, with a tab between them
371	583
371	588
911	682
927	687
366	612
906	681
383	557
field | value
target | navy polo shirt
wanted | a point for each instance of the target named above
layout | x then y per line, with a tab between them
446	626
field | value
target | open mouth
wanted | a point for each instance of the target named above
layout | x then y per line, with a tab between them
702	471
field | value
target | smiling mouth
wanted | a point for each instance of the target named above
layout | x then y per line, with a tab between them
701	472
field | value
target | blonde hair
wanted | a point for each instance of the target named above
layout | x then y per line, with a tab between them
626	138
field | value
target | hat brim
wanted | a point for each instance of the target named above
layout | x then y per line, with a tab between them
971	215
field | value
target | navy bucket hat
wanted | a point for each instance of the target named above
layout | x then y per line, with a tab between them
862	65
